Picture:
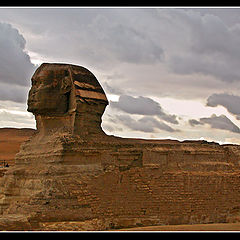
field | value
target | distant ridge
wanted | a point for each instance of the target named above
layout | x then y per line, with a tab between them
10	141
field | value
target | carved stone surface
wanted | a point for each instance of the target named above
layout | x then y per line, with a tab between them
70	175
66	98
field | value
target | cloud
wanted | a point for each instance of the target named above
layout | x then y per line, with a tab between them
217	122
229	101
14	114
194	122
145	124
16	119
126	42
142	106
208	45
154	123
105	35
15	93
111	89
15	65
16	68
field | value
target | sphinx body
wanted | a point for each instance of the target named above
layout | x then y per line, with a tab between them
72	176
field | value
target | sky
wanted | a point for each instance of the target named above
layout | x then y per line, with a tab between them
168	73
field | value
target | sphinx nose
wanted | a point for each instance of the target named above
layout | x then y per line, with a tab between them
32	94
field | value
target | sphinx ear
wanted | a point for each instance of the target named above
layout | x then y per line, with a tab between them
66	84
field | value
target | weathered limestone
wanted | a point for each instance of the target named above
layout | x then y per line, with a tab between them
72	176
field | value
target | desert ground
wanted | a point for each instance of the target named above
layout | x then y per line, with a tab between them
195	227
10	141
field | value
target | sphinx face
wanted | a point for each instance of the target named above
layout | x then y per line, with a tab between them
49	94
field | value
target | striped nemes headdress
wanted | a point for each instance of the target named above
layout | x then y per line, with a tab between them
87	87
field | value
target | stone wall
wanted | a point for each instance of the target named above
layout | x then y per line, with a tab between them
115	184
152	197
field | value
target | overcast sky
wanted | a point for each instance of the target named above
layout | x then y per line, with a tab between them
167	72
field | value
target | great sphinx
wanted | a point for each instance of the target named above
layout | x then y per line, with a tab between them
71	175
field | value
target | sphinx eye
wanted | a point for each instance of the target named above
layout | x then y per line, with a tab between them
39	82
66	73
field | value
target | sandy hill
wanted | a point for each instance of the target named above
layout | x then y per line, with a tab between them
10	141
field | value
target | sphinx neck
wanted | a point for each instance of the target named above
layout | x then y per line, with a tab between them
85	121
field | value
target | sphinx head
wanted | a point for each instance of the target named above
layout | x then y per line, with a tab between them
65	95
51	87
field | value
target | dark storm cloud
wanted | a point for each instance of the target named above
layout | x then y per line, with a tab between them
139	105
217	122
111	89
229	101
15	65
142	106
145	124
129	44
13	92
194	122
230	16
211	46
95	36
154	123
